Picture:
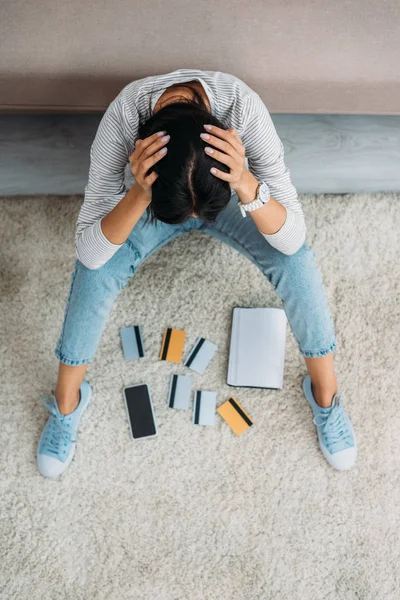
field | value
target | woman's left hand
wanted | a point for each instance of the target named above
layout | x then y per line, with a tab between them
230	151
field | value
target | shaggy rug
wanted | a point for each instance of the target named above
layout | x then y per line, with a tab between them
198	513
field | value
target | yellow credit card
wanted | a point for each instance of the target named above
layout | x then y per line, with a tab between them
235	415
172	345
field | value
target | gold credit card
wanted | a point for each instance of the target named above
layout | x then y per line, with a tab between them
235	415
172	345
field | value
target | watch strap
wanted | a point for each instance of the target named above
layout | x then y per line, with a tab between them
254	204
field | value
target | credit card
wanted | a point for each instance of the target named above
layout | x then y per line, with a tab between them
180	388
235	415
204	407
172	345
132	342
200	355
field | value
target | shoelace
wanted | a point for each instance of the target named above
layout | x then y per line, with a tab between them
65	433
333	424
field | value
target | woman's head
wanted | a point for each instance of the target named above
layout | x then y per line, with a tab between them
184	185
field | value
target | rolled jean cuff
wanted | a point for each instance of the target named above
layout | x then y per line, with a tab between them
320	352
71	362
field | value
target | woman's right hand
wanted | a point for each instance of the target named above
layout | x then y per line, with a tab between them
145	155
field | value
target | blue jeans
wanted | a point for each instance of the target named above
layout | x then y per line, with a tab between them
296	280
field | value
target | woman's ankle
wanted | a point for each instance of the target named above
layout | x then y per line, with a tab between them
323	396
67	403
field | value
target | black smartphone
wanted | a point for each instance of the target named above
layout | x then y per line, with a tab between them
139	408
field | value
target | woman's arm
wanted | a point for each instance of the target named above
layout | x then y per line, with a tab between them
282	226
269	218
119	222
109	155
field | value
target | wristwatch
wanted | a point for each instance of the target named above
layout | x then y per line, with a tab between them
262	196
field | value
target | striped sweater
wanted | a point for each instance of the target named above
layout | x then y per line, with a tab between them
234	103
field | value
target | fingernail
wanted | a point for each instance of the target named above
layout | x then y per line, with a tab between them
204	136
160	133
208	127
208	150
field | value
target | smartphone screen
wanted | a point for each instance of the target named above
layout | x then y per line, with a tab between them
140	411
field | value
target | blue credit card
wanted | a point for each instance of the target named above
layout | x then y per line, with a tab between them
200	355
132	342
180	388
204	407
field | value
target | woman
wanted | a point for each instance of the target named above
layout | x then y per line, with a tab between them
252	207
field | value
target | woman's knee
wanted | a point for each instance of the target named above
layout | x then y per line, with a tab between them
117	271
91	297
298	269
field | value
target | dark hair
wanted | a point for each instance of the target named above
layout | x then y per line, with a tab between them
184	184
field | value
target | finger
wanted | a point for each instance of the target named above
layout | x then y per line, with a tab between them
226	159
230	136
148	146
221	174
225	156
154	148
226	147
238	141
149	162
141	155
157	149
150	179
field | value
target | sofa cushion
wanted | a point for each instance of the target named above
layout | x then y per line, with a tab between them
300	57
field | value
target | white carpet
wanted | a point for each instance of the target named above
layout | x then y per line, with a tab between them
198	513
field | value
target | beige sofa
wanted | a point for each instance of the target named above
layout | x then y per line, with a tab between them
300	56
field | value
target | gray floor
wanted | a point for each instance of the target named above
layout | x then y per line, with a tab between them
49	154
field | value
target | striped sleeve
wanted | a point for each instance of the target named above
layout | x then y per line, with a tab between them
109	155
265	156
